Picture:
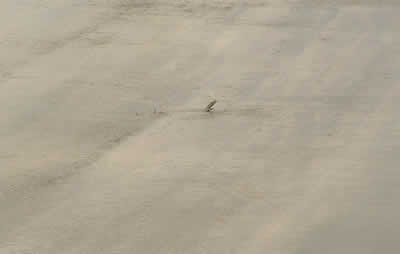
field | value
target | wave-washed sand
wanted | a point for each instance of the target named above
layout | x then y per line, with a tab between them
105	146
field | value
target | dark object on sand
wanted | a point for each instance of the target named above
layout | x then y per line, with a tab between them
209	107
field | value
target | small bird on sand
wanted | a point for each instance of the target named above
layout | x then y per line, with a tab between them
209	107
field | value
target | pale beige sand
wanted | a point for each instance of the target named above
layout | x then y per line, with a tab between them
105	148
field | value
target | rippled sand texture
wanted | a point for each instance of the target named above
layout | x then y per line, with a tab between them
105	146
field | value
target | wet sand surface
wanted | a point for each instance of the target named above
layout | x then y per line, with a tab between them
105	147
